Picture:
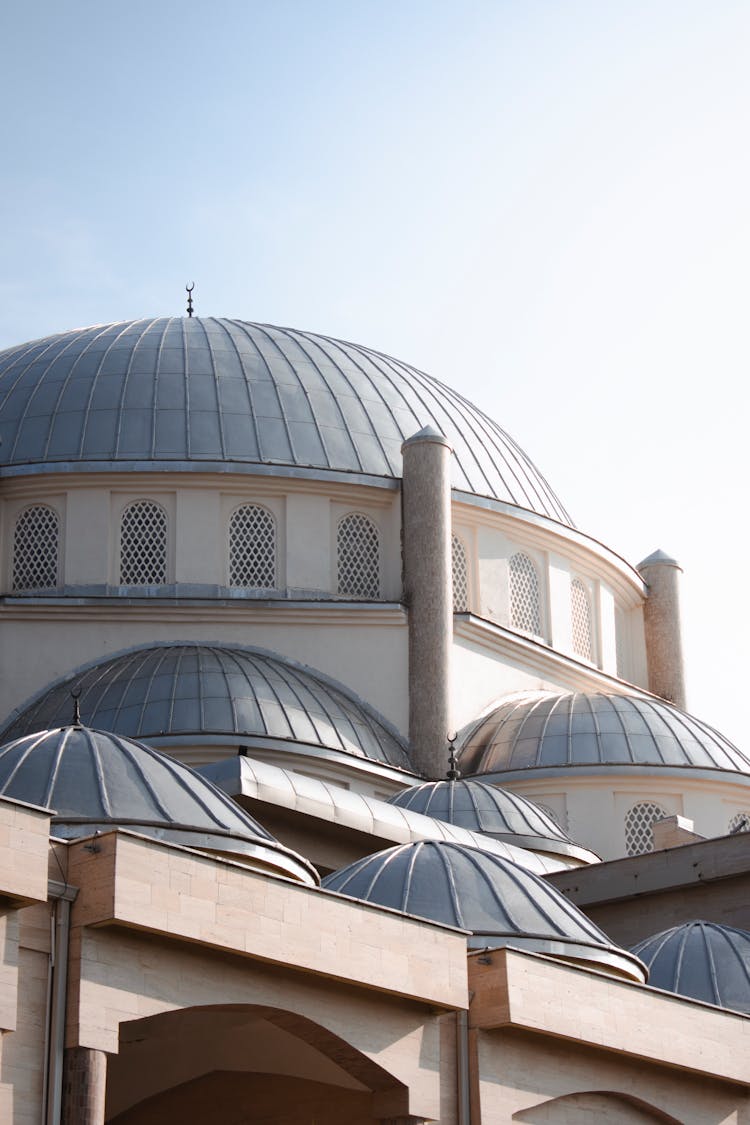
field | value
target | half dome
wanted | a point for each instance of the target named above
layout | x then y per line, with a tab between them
702	960
499	902
492	811
582	729
96	781
157	393
196	689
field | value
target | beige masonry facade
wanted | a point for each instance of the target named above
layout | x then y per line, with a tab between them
285	996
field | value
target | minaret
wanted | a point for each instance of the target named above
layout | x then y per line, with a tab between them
428	592
662	620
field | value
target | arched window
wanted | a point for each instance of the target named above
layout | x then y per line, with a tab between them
580	613
143	544
460	576
36	539
252	548
525	604
358	555
740	822
639	824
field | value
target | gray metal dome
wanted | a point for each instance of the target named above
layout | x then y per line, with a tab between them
590	730
247	694
701	960
499	902
492	811
94	780
157	393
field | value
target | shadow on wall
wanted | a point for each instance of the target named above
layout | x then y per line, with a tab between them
592	1108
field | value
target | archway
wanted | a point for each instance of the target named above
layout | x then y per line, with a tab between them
243	1065
595	1105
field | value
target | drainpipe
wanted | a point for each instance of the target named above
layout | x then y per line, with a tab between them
57	993
428	592
462	1068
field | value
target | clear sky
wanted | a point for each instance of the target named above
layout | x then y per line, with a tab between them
544	204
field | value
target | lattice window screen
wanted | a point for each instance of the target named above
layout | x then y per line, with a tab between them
358	553
580	612
252	548
460	576
639	822
740	822
143	545
35	549
525	605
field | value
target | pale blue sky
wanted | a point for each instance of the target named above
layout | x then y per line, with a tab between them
543	204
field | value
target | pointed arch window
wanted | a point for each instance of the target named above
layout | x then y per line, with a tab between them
460	572
252	548
525	601
36	548
143	544
358	557
580	613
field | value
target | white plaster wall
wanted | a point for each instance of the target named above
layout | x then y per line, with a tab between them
87	554
607	635
309	561
35	652
480	678
199	535
559	600
596	806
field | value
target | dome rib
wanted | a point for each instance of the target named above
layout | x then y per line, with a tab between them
246	382
176	390
497	901
489	810
217	397
354	356
98	771
701	960
182	689
296	339
600	730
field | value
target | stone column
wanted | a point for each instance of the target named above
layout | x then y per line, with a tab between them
662	621
84	1086
428	592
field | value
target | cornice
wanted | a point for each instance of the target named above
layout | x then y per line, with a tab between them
151	610
536	657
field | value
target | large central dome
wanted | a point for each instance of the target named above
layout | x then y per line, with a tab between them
228	392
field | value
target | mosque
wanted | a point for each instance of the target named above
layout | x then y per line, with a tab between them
343	780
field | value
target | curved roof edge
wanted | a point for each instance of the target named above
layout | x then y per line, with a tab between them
571	534
622	769
256	650
249	777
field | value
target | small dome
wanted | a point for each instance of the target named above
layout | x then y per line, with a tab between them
172	391
97	781
701	960
498	901
594	729
493	811
244	777
193	689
